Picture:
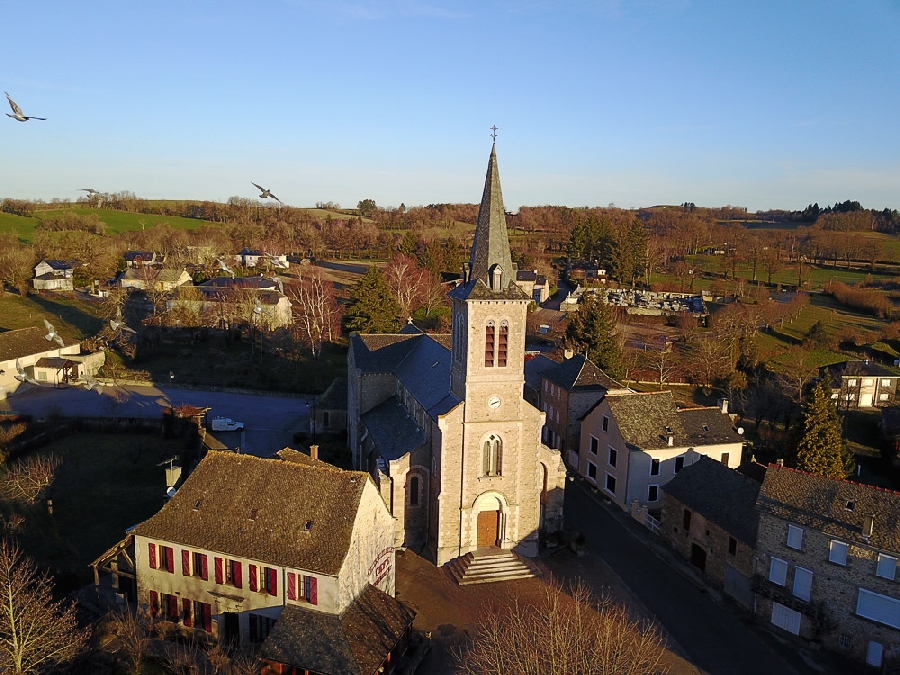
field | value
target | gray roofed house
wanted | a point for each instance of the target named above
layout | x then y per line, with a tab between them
709	517
55	275
372	631
648	420
862	383
826	563
245	539
28	346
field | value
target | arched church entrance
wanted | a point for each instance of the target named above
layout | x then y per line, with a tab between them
490	521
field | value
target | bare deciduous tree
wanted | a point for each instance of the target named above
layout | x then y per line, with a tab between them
36	633
29	478
562	632
317	316
133	631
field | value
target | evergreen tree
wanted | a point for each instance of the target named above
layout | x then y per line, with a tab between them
372	307
816	444
592	332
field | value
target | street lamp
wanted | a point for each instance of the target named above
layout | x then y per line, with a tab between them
171	378
312	419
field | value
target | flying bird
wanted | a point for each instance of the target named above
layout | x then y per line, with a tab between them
263	192
52	334
224	267
91	191
120	326
22	376
91	382
17	112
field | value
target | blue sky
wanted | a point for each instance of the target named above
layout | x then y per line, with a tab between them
764	104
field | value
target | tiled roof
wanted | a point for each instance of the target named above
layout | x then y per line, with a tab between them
291	455
823	504
258	509
335	397
580	372
52	362
708	426
647	420
16	344
719	494
393	432
353	643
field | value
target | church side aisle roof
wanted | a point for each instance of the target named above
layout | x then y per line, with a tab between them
381	353
393	432
425	372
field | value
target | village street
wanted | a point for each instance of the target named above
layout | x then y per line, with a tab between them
270	421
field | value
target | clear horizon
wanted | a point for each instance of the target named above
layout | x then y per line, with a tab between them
763	106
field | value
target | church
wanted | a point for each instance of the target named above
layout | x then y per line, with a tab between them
440	422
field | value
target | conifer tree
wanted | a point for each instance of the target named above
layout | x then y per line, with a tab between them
372	307
592	332
816	444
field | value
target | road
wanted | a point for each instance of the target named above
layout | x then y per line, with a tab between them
716	639
270	422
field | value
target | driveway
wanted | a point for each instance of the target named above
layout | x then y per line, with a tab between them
270	422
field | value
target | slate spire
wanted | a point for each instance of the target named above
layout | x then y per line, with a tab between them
491	260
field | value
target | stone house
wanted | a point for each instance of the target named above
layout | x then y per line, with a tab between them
862	384
534	285
246	540
633	444
253	258
139	258
42	361
826	565
223	303
568	391
55	275
709	518
440	421
328	416
152	278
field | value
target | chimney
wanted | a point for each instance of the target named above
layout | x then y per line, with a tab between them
568	354
779	462
868	526
671	440
724	406
314	451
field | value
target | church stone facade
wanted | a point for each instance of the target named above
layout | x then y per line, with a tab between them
440	421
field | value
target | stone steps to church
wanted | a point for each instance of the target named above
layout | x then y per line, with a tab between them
487	568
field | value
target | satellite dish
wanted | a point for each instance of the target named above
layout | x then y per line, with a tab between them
740	431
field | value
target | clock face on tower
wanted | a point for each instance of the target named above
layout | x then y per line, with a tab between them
494	402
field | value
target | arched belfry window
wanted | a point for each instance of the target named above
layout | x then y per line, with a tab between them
502	340
492	456
414	491
490	334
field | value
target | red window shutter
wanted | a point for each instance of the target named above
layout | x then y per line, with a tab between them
292	586
273	581
173	607
154	601
207	617
170	559
151	547
236	575
252	578
220	570
186	608
313	591
204	569
185	562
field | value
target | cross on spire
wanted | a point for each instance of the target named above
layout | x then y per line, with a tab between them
494	132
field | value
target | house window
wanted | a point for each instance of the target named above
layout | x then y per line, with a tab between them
868	382
686	520
851	382
610	484
885	383
778	571
725	458
845	640
414	491
654	467
270	579
732	546
326	419
41	375
203	616
613	457
167	559
303	588
187	607
605	424
874	653
233	573
492	456
489	334
802	583
170	605
878	607
592	471
837	552
886	567
595	445
260	627
679	463
795	537
200	566
653	493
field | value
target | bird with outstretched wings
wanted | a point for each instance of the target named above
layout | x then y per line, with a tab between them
17	111
22	376
263	192
52	335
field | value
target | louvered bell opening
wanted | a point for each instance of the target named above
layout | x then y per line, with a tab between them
489	346
501	346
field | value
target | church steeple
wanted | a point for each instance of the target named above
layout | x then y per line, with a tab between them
491	260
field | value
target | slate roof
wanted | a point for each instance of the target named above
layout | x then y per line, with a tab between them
335	396
822	504
425	372
380	353
857	368
491	245
53	362
16	344
144	255
708	426
643	419
227	488
720	495
353	643
152	274
63	264
535	369
239	282
393	432
579	372
229	294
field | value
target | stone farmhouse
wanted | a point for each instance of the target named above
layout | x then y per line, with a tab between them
248	545
862	384
223	301
709	518
826	563
55	275
140	258
440	421
634	443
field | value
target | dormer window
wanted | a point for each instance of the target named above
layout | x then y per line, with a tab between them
496	277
